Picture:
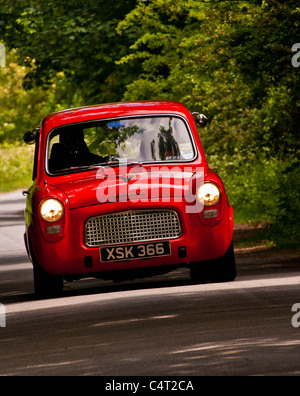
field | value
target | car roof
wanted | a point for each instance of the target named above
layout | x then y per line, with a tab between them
112	110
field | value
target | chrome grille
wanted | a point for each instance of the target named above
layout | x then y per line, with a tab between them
132	226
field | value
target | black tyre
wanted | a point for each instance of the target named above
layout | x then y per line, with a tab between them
222	269
46	285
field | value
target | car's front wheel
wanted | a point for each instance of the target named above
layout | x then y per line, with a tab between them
46	285
222	269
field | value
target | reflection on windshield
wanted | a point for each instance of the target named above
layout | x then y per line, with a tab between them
144	139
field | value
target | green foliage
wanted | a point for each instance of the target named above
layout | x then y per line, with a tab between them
77	38
23	110
19	109
231	60
250	186
264	190
286	229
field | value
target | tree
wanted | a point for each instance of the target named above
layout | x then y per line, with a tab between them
231	59
21	109
77	38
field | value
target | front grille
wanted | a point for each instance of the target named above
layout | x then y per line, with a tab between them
132	226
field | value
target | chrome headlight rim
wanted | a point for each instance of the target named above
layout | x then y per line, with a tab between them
51	210
212	191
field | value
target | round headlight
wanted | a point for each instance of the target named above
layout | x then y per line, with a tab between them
208	194
51	210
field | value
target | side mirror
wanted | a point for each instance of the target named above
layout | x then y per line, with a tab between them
200	119
30	137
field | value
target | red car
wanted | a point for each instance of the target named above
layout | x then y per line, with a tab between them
124	191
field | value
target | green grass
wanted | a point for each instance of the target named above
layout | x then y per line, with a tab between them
15	167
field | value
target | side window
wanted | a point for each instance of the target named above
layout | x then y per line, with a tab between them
68	150
52	143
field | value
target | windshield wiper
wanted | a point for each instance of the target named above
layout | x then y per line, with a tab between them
96	166
76	168
117	163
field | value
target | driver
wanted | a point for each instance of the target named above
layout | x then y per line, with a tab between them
72	151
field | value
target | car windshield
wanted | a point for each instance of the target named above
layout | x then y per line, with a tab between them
144	139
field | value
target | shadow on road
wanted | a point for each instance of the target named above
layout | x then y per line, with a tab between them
252	263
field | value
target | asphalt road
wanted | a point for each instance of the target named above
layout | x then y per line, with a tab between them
162	326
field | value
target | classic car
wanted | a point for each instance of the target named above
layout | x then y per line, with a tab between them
123	191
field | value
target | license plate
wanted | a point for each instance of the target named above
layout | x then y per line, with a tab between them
134	252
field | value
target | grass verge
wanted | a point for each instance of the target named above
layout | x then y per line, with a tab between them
15	167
